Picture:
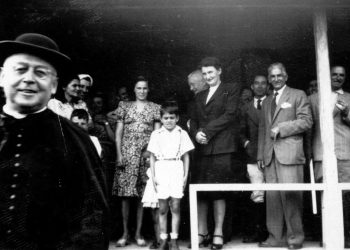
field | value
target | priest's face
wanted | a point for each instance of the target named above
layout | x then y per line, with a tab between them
28	82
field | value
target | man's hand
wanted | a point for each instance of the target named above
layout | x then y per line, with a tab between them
274	133
343	107
201	138
261	165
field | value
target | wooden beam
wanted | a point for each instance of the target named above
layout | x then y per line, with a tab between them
332	217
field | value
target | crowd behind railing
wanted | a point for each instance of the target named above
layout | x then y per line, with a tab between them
64	156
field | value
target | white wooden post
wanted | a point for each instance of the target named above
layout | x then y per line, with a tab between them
332	217
194	217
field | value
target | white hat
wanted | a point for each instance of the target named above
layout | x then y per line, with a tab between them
84	76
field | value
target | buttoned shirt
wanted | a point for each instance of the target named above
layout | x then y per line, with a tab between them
256	101
280	91
165	144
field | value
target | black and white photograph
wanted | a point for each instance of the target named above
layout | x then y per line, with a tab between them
174	124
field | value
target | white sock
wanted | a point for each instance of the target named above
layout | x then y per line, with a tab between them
174	236
163	236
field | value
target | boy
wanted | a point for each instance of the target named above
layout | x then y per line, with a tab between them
169	147
81	118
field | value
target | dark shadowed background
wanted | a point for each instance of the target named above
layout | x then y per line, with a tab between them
115	41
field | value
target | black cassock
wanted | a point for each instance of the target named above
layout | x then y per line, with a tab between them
52	188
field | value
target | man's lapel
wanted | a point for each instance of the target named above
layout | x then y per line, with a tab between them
253	113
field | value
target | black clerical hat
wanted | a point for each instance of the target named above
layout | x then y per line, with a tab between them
38	45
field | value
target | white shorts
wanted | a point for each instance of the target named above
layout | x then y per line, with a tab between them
170	178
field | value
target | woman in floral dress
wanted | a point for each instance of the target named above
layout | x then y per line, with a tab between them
135	122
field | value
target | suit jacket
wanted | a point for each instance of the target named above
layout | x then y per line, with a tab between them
218	119
293	117
250	130
341	130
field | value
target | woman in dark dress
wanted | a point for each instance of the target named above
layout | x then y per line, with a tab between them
214	125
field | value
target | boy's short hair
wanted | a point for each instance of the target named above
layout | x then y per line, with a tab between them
210	61
170	107
80	113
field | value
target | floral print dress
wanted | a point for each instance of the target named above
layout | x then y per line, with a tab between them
138	126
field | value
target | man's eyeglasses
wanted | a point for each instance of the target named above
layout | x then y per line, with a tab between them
39	72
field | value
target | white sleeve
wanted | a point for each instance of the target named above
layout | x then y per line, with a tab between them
152	144
186	143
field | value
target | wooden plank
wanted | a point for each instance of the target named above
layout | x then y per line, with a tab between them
255	186
332	216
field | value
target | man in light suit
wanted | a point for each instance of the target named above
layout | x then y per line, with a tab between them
251	112
340	102
286	116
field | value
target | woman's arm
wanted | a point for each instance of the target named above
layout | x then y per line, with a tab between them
152	161
118	141
109	131
157	125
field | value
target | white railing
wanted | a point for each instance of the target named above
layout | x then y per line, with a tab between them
194	188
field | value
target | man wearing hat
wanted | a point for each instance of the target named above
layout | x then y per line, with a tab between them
52	190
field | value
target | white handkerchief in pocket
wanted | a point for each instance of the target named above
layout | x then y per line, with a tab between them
286	105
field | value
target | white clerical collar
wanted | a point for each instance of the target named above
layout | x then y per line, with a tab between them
16	114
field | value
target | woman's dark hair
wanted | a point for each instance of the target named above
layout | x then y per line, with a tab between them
80	113
170	107
140	79
63	83
210	61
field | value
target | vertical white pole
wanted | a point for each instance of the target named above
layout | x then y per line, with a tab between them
194	217
332	211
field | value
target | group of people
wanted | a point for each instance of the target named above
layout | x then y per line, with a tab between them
56	178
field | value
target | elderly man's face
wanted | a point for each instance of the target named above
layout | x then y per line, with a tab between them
196	84
277	78
337	77
28	82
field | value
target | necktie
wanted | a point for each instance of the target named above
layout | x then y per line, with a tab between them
258	106
273	104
